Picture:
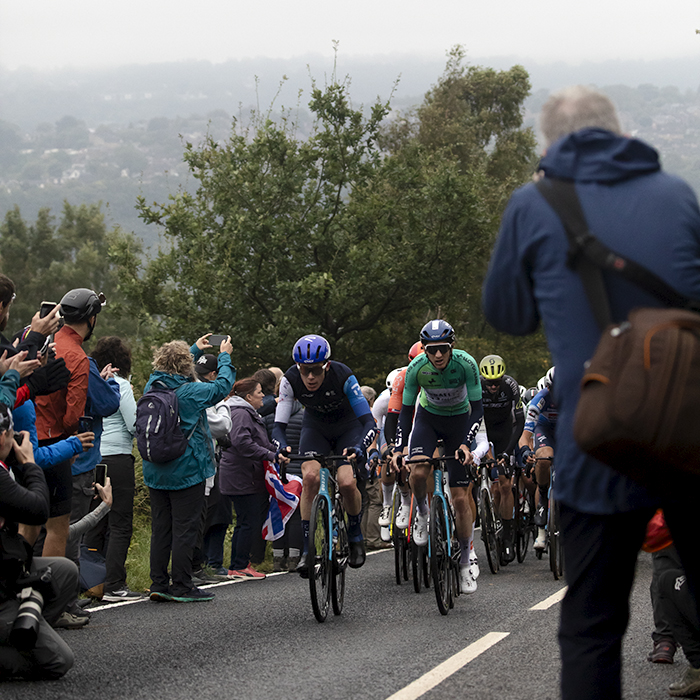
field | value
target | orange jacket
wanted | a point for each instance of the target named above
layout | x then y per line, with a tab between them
57	414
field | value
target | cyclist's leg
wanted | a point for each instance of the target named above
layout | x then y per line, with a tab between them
544	452
388	479
422	443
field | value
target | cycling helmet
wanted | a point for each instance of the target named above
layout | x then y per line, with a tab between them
492	367
81	304
549	378
541	383
391	376
310	349
416	349
529	395
437	331
523	390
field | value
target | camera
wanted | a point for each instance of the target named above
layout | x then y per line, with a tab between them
34	590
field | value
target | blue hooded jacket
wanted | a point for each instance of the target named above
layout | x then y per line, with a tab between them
197	463
638	211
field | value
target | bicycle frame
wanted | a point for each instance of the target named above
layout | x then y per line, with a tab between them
439	492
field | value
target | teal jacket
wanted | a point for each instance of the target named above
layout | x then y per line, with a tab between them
197	464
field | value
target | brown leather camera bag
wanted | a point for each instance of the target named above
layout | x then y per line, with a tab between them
639	409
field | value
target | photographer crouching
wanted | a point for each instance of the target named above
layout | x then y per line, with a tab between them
33	591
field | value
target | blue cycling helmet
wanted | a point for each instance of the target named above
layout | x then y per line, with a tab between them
310	349
437	331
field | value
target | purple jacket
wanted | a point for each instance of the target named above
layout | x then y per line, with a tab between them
241	469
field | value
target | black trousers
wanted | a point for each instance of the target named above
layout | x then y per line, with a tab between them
251	511
112	535
175	519
600	553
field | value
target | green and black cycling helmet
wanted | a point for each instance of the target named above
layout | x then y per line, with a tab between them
81	305
492	367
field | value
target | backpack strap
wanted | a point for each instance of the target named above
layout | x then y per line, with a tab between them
165	386
589	256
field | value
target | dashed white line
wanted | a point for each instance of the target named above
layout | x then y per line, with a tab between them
552	600
435	676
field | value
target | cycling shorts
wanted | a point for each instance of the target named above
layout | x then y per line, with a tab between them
329	438
544	437
428	428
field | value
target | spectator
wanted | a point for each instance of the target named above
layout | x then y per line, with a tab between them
371	490
216	513
26	498
59	413
116	449
243	473
653	218
267	380
177	488
287	549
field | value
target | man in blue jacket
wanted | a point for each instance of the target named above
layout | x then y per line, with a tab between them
652	218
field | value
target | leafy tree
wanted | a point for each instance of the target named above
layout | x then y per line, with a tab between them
334	233
48	258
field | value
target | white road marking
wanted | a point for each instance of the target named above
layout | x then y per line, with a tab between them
434	677
552	600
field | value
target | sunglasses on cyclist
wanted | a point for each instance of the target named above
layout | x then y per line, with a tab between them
316	370
493	382
443	348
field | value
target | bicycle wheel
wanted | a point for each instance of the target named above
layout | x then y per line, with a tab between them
439	557
341	552
556	554
488	530
320	568
416	567
522	528
396	539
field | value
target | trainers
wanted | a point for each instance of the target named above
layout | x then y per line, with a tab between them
385	517
473	565
541	541
302	566
202	576
420	529
357	554
663	652
689	684
467	582
279	564
68	621
121	594
194	595
292	563
385	534
403	516
249	574
160	596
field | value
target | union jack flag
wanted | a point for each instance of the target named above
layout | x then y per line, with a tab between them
284	499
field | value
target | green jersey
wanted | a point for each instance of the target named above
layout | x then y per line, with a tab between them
444	392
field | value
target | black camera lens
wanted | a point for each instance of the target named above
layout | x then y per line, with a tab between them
25	629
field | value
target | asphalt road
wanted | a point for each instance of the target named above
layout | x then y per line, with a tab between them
259	639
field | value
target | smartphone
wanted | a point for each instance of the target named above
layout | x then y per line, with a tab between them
86	424
217	339
100	474
46	308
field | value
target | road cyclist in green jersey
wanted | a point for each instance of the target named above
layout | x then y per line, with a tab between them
449	409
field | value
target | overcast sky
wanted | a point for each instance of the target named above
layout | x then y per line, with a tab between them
58	33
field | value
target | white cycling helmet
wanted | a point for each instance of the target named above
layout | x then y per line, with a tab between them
391	376
541	383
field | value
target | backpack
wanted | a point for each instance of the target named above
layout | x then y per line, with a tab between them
159	437
640	392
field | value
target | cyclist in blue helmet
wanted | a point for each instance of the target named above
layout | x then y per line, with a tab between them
337	418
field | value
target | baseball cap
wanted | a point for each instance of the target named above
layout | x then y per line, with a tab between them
206	363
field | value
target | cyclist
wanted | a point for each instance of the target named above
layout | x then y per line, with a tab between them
337	417
450	409
505	420
390	425
537	441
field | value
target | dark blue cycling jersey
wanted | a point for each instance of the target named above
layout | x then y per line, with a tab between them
541	411
337	401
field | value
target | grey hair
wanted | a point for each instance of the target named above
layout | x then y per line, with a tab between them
577	107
